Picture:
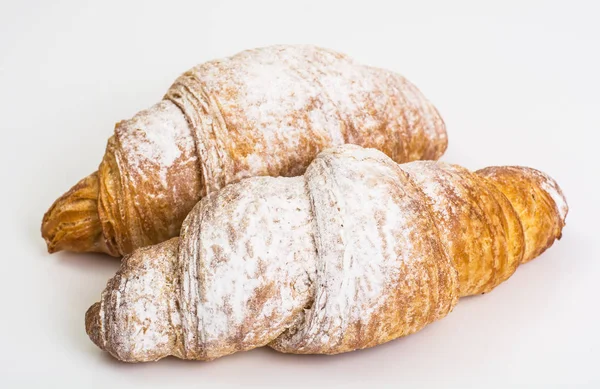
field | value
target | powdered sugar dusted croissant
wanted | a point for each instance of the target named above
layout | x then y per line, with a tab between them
262	112
358	251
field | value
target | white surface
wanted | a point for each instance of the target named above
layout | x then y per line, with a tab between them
516	82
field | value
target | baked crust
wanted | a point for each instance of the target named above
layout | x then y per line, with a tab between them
356	252
262	112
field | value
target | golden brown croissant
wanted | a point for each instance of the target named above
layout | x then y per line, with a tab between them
357	252
261	112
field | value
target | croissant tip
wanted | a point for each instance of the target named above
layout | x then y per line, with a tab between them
93	325
72	222
51	249
48	236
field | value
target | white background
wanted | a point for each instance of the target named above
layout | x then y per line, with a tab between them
517	83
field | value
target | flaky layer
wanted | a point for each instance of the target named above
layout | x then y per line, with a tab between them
357	252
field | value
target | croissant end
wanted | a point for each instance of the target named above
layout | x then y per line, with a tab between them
92	325
537	199
72	222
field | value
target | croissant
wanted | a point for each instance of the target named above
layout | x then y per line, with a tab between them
263	112
357	252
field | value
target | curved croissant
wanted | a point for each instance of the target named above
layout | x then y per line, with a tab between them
263	112
357	252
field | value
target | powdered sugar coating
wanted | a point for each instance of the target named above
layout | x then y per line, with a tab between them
351	255
484	241
253	252
430	177
297	99
319	263
148	179
366	232
154	139
551	187
137	311
262	112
